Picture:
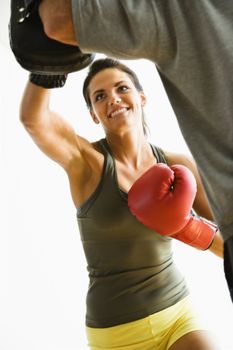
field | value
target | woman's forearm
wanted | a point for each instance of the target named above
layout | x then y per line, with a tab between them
34	104
217	245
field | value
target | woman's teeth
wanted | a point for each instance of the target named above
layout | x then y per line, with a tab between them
115	113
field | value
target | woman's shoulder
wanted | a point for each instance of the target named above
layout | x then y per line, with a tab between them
173	158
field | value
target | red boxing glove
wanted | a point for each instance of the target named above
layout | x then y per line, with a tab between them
162	200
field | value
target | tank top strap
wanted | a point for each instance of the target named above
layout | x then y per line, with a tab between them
106	152
109	170
107	179
159	154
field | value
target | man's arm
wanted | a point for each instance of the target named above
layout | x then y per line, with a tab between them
120	29
56	16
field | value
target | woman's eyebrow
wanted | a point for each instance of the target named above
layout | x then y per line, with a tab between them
97	92
102	90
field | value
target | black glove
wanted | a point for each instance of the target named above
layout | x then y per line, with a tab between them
48	60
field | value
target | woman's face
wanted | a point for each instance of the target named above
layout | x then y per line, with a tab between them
115	101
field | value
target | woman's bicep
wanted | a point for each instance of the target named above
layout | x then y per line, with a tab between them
51	133
56	138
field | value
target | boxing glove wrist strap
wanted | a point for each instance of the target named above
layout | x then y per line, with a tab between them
198	233
48	81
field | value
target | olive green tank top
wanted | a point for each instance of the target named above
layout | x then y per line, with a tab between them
131	270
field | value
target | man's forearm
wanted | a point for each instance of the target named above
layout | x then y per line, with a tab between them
56	16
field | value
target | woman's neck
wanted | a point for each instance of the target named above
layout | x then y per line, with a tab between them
131	150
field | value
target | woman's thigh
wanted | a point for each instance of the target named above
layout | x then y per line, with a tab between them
198	339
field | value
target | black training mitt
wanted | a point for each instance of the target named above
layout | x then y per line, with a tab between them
34	50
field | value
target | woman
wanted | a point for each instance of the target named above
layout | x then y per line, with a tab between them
137	299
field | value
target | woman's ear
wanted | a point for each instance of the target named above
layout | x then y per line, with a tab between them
94	117
143	99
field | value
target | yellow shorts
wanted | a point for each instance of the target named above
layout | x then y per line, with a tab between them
155	332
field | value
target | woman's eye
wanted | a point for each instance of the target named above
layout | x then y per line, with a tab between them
99	97
123	88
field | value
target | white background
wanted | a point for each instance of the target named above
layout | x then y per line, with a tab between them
43	279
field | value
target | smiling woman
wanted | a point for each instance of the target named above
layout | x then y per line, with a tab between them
132	275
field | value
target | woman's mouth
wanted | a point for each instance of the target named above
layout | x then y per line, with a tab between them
117	112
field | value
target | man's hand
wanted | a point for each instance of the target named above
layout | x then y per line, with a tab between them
56	16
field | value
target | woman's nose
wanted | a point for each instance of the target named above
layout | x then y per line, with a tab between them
114	99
